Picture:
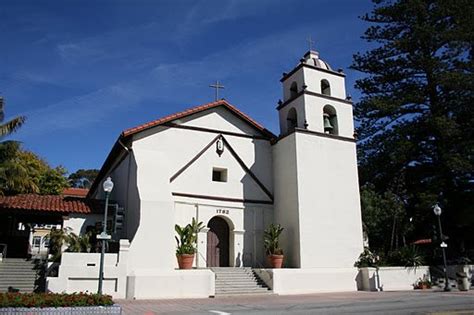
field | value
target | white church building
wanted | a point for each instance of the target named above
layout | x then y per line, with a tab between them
216	164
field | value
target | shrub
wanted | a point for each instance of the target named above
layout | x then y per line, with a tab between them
271	238
408	256
186	243
367	259
53	299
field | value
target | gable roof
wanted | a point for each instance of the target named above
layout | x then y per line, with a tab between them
48	203
122	143
198	109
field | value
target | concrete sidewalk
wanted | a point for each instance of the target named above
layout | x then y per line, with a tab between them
406	302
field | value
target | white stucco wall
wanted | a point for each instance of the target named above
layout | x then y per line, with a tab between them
77	223
218	118
286	198
158	154
314	106
306	281
162	284
246	224
391	278
297	77
328	202
313	79
299	105
79	272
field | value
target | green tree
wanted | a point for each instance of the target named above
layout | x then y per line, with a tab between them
385	220
415	120
22	171
10	126
83	178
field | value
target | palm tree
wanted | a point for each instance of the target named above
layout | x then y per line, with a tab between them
13	174
10	126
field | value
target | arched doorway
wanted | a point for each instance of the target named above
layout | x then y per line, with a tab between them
218	243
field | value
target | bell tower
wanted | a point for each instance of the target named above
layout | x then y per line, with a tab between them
314	99
316	186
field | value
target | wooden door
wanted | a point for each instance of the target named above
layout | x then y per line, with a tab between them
218	243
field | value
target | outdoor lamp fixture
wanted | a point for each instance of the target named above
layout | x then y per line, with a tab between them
437	211
108	186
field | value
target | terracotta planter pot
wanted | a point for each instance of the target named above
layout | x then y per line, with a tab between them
185	261
275	261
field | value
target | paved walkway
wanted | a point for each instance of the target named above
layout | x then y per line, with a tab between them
407	302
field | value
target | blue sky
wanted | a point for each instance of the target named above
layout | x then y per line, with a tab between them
83	71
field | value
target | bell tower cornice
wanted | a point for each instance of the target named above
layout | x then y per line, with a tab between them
304	92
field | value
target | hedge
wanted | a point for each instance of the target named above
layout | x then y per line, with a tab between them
53	299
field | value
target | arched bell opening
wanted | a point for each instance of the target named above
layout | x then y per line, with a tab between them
293	90
325	87
330	120
291	120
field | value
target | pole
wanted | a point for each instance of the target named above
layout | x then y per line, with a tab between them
102	253
445	268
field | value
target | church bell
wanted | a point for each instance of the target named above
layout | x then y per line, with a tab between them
328	128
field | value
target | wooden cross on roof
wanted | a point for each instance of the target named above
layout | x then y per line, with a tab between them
217	86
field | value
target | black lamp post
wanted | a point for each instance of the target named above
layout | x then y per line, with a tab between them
437	211
108	186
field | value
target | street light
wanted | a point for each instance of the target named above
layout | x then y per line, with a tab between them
108	186
437	211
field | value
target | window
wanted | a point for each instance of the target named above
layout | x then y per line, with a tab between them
330	120
293	90
46	242
291	120
219	175
36	241
325	87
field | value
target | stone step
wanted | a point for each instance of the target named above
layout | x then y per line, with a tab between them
19	274
239	281
236	281
17	269
8	269
239	288
19	263
258	283
242	291
17	280
236	278
234	274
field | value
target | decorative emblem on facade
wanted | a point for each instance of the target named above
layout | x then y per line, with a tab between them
220	146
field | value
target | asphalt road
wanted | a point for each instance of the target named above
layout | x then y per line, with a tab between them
408	302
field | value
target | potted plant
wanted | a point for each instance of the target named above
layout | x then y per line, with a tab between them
186	243
271	237
422	283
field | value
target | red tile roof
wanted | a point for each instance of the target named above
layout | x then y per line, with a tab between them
47	203
194	110
75	192
422	241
